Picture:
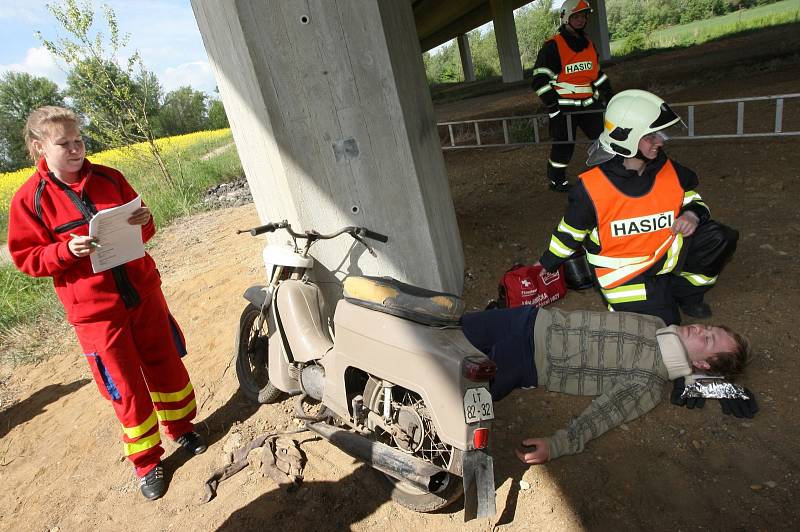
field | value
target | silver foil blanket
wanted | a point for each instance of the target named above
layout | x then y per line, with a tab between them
715	389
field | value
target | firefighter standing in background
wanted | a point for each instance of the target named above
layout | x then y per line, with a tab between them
647	233
567	78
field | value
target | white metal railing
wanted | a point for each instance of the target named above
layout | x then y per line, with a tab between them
531	124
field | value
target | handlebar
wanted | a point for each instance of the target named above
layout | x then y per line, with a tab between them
356	232
373	235
261	229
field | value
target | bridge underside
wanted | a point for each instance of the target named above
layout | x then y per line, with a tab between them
438	22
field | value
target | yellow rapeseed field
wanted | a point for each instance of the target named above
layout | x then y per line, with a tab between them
11	181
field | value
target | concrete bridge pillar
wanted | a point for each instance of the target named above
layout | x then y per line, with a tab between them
331	114
505	33
466	57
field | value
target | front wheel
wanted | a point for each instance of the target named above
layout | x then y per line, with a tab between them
252	357
417	436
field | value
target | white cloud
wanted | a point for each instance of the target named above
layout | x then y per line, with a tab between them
196	73
39	62
21	12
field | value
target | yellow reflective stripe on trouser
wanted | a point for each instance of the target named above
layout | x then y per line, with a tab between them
558	248
143	444
698	279
577	234
175	415
673	253
135	432
555	164
172	397
625	293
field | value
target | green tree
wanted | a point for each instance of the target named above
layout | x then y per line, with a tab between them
109	124
445	65
485	60
116	97
183	111
21	93
535	23
217	118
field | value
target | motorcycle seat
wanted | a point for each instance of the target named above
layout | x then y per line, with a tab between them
386	294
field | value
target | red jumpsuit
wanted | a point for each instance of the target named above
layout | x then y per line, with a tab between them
132	343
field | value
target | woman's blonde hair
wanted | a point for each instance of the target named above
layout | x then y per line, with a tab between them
39	122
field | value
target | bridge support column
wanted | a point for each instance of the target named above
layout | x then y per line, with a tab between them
466	57
331	114
505	33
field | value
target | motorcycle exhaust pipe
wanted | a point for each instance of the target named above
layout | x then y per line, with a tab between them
385	459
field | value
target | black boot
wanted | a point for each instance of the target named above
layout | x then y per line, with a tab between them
192	442
153	484
560	186
697	310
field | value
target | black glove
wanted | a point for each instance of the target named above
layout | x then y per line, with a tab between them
676	397
740	407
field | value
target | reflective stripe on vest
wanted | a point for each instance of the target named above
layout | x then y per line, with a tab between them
673	253
564	88
634	232
578	71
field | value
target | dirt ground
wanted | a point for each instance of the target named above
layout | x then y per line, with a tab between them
670	470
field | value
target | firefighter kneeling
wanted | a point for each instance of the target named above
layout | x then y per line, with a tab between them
647	233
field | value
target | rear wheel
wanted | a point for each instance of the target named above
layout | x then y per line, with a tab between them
252	350
417	437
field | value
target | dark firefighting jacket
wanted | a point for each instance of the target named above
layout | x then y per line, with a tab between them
579	224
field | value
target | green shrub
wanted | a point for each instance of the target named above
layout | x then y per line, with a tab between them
635	42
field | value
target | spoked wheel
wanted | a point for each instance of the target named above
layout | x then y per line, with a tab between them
417	437
252	350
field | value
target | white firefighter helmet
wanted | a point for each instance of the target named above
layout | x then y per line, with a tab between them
570	7
629	116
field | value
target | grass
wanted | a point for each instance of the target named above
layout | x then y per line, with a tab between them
28	309
29	306
701	31
23	297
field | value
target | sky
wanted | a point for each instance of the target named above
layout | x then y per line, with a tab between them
163	31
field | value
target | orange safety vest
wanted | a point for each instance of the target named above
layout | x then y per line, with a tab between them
633	232
578	71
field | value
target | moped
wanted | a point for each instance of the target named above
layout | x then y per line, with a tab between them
405	391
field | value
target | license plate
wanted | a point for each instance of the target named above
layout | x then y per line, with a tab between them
478	405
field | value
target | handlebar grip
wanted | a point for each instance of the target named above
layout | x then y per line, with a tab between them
375	236
260	230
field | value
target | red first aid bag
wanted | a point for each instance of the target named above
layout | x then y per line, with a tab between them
530	285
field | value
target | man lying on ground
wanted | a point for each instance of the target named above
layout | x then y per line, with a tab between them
622	358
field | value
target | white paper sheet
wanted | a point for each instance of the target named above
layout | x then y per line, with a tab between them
120	242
